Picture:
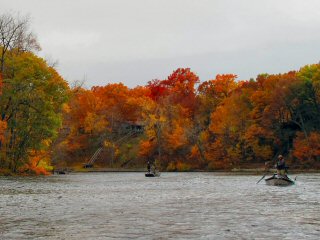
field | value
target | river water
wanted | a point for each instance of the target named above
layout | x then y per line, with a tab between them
174	206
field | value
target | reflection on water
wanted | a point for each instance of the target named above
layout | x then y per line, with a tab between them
176	205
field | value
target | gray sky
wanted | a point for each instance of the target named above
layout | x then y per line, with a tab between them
134	41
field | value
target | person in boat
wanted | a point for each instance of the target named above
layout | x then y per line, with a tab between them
148	166
281	166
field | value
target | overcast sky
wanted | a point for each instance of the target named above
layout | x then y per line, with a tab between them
135	41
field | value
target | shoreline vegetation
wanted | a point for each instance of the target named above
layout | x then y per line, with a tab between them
178	123
235	171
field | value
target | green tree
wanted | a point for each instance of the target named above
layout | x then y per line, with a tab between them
31	101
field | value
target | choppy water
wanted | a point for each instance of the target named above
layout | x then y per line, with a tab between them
174	206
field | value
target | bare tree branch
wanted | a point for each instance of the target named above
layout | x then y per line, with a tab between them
15	35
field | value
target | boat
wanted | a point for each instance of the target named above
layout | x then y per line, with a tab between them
152	174
279	180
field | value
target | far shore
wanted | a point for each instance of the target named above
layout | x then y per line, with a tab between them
231	171
235	171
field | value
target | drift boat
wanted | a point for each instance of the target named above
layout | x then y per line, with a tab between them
277	180
152	174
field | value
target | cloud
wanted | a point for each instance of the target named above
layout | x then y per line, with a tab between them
134	41
70	40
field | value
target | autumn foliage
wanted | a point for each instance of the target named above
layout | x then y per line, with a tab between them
31	102
179	122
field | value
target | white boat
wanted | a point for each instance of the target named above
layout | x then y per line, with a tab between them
279	180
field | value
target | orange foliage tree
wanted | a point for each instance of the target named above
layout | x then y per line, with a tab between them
307	151
223	123
96	116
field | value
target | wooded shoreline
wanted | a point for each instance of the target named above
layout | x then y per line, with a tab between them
247	171
179	123
231	171
240	171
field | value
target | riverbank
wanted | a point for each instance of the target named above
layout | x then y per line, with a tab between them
234	170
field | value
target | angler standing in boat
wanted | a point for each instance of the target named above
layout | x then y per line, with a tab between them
281	166
280	178
152	169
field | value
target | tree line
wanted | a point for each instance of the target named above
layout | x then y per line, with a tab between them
221	123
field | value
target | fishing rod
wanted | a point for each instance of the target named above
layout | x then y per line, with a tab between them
266	164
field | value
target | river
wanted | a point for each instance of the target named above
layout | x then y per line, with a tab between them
173	206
